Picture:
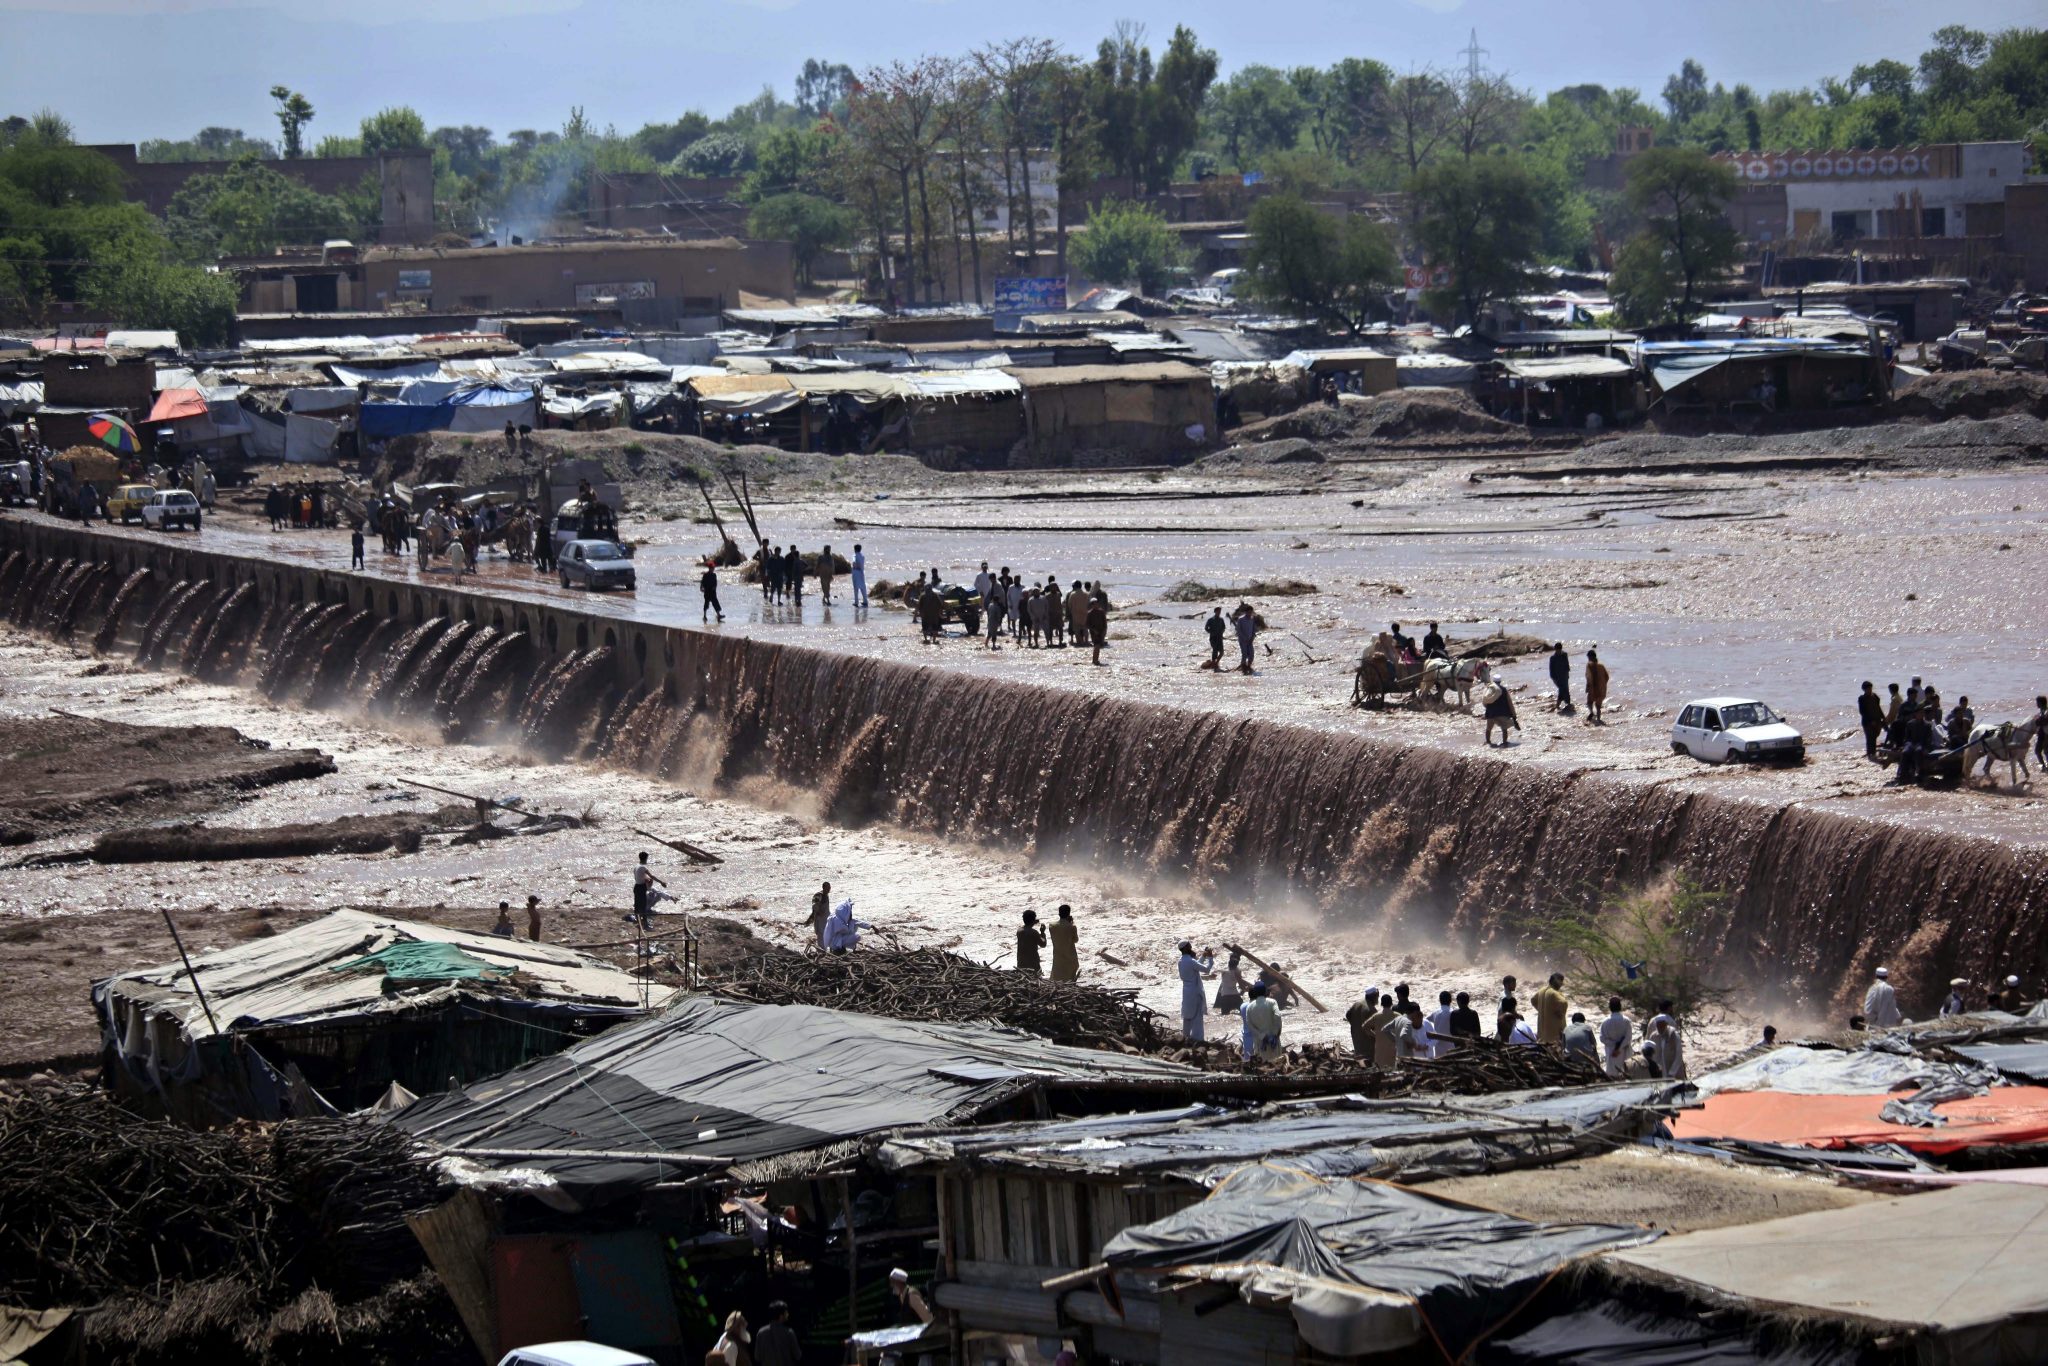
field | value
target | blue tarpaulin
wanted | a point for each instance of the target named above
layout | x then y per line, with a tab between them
437	405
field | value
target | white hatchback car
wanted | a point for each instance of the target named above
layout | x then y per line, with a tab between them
1735	729
167	508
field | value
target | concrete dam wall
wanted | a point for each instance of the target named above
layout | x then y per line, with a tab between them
1419	842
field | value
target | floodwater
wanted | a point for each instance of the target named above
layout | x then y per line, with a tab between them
919	891
1790	588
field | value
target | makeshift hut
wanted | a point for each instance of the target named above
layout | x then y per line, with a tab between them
1763	374
1577	390
1151	411
329	1015
1358	370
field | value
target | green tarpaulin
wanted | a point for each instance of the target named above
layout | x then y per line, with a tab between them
429	962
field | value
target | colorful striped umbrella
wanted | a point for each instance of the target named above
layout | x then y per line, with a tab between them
113	433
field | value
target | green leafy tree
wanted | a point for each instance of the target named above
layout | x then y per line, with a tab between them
338	145
1302	259
398	129
294	112
1129	244
1669	934
133	279
822	88
251	210
714	154
1681	195
1256	112
809	223
208	144
662	141
1685	94
1482	220
1148	117
791	160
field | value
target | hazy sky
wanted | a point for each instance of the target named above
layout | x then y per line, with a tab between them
124	70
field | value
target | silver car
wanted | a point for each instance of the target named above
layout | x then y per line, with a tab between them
596	564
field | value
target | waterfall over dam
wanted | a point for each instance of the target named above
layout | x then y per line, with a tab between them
1424	843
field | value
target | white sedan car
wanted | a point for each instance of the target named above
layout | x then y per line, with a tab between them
167	508
1725	730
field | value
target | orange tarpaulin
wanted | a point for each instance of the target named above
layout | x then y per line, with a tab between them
173	404
2009	1114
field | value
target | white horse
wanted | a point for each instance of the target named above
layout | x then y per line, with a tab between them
2007	741
1441	676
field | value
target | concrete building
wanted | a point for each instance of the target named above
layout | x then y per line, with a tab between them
1888	193
654	283
405	181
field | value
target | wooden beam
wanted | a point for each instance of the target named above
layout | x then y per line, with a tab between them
1245	952
690	851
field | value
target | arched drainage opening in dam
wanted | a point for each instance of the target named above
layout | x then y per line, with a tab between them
1426	843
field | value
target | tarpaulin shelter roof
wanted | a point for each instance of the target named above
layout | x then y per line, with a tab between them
1363	1266
1145	372
1671	365
284	979
2028	1060
1829	1072
1611	1334
715	1083
1571	336
1347	1136
1339	358
2008	1114
172	404
1965	1270
1543	368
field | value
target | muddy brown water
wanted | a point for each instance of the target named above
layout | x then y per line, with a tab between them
1263	796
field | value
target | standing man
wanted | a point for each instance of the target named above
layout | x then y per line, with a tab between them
771	572
1261	1025
708	585
1615	1033
1247	624
777	1344
1441	1041
1192	1005
1464	1019
1551	1006
1561	675
1578	1039
984	583
1056	616
1077	615
511	438
826	566
355	547
793	575
1098	623
1870	711
1404	1035
1030	939
1375	1030
1881	1003
1216	626
644	883
533	917
1066	940
860	578
1361	1010
1596	689
821	911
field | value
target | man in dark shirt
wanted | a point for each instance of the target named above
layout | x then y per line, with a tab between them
1464	1019
1870	711
1433	643
1030	939
1216	626
1919	737
709	586
1561	674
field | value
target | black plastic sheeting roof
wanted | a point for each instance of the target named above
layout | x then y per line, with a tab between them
1344	1136
2027	1060
715	1083
1465	1269
1610	1335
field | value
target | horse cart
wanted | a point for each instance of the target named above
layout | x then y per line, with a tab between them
1385	671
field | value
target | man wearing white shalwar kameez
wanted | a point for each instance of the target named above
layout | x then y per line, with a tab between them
1881	1003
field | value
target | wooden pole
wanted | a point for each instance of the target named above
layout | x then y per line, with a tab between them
1298	987
683	847
186	959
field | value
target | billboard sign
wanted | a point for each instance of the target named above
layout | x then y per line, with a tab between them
416	281
1031	294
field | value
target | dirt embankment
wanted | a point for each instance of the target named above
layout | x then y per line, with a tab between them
61	773
1973	393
